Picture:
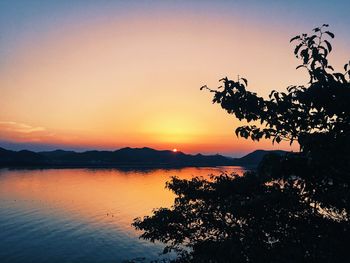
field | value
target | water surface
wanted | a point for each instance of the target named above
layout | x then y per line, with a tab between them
82	215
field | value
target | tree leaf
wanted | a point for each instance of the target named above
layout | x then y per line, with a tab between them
330	34
296	50
329	46
245	81
294	38
278	139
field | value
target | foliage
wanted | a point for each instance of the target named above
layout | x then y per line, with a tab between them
294	207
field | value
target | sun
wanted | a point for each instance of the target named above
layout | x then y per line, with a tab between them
174	150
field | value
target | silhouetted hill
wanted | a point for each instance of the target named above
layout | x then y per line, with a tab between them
55	154
143	157
254	158
22	158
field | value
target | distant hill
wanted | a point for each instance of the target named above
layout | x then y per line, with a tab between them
22	158
125	157
254	158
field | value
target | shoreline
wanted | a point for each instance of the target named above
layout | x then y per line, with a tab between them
121	167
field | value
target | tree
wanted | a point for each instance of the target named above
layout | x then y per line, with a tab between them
294	208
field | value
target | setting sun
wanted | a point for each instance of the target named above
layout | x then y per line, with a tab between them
174	150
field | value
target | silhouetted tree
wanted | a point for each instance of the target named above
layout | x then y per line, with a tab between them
294	208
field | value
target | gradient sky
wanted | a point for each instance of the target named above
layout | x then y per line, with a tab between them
109	74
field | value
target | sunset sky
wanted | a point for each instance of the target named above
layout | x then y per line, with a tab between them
109	74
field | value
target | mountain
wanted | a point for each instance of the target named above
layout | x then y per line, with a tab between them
22	158
55	154
254	158
140	157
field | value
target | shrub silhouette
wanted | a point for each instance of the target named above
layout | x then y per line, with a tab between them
294	208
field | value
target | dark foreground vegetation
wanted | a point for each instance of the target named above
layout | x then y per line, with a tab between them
295	208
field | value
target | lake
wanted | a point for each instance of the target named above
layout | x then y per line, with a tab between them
82	215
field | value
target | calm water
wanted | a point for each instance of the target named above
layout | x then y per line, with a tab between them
81	215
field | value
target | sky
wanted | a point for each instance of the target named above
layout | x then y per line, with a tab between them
110	74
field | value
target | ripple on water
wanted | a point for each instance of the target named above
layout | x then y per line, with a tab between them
81	215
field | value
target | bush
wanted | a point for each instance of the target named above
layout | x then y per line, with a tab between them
294	208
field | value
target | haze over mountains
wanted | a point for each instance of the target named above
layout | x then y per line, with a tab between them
125	157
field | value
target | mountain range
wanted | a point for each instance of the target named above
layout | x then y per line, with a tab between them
125	157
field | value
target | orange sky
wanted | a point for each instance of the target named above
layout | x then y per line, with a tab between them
133	80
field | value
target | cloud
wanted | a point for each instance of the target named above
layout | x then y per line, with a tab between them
18	136
12	126
22	132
